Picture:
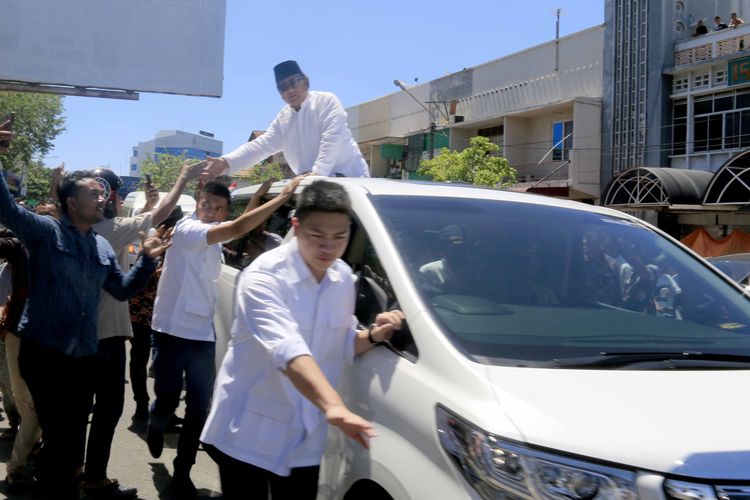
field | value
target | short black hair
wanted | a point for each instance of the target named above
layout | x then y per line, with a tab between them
69	186
323	196
218	189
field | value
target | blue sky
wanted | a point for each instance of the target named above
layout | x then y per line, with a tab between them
350	47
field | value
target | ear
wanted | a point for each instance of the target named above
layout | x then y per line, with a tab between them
72	203
295	225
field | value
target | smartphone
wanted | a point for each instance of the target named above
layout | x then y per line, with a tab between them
148	179
9	117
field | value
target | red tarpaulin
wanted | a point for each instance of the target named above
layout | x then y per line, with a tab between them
706	245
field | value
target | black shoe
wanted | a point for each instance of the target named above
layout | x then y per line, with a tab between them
182	488
111	489
155	441
141	412
17	483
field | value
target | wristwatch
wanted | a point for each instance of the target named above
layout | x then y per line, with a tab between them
369	335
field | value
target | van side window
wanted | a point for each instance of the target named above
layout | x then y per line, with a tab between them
374	291
241	252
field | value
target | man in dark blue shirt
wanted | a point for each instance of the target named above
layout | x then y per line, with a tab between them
69	264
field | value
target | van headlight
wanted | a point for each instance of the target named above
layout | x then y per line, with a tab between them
498	468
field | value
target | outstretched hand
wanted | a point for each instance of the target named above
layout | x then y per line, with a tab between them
289	189
351	424
191	171
214	168
156	245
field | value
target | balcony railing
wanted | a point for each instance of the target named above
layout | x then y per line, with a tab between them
552	170
712	45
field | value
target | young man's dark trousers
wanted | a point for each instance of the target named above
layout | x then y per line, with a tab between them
109	392
176	356
140	352
240	480
62	390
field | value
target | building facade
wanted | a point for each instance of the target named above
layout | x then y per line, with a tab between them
676	97
175	142
542	106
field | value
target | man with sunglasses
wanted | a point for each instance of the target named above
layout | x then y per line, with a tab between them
311	131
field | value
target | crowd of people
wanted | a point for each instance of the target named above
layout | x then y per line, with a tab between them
66	321
702	29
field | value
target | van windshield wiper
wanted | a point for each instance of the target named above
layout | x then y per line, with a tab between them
620	359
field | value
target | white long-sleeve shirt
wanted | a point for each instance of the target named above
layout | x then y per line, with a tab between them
314	139
282	312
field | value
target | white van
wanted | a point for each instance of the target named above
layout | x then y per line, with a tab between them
553	350
135	201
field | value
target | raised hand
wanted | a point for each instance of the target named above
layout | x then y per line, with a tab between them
214	168
289	189
191	171
155	245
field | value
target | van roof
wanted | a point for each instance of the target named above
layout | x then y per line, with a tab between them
137	199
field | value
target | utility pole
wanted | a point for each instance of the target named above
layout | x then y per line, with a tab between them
557	40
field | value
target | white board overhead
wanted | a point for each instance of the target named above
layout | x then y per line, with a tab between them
165	46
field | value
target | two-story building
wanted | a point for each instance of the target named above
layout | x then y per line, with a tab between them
542	106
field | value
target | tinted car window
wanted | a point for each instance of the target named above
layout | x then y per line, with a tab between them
524	284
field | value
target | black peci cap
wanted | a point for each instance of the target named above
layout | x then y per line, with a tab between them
286	69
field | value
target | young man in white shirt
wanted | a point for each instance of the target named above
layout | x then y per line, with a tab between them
292	334
311	131
183	321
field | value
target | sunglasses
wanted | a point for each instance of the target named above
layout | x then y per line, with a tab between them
285	85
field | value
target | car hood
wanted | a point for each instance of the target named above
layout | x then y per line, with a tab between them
691	423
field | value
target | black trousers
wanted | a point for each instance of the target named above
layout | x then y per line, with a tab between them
242	481
140	353
109	391
62	390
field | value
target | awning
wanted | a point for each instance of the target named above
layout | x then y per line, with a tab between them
652	187
730	184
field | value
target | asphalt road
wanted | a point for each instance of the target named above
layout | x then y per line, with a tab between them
131	463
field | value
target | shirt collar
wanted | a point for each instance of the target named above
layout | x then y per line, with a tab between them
66	222
300	271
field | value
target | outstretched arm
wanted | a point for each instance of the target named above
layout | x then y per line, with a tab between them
309	380
227	231
188	173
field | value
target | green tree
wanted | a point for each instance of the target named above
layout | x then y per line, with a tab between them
164	169
476	165
39	120
38	180
264	171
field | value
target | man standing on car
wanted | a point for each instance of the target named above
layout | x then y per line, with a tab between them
113	328
183	322
292	334
311	131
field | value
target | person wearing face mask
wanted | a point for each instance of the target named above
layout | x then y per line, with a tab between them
310	130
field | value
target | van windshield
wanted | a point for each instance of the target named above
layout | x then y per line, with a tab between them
522	284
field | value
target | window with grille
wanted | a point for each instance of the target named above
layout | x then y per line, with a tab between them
701	80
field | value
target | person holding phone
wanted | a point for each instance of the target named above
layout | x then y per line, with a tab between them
114	328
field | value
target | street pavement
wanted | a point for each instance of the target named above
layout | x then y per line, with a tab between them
133	465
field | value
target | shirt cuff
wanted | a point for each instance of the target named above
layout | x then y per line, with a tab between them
349	349
288	349
228	169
